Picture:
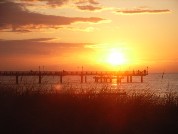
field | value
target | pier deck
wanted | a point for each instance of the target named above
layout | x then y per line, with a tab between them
98	75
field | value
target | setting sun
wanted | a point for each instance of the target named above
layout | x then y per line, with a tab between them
116	58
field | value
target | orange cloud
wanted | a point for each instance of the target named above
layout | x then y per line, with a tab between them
16	17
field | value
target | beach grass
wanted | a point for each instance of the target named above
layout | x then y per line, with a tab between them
36	112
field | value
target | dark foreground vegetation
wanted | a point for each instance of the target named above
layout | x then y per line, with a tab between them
88	113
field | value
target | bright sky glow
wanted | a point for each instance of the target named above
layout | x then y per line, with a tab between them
116	58
71	33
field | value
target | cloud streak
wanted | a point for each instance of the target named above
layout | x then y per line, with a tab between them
142	11
53	3
88	5
94	2
58	3
89	8
36	47
16	17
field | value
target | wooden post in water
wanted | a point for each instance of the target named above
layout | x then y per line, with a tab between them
40	78
105	79
120	80
142	79
82	75
85	79
110	80
17	79
101	79
96	79
130	78
61	78
81	78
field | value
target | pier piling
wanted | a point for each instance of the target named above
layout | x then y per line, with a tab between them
81	78
17	79
40	79
61	78
141	79
131	79
128	79
85	79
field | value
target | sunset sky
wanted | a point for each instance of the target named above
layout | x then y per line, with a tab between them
95	34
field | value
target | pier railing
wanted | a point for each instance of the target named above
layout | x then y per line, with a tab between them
64	73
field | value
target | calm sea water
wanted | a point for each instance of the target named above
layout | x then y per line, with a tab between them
155	82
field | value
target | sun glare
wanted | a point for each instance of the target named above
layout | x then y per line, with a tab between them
116	58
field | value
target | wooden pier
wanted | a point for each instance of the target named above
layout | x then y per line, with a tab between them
99	76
